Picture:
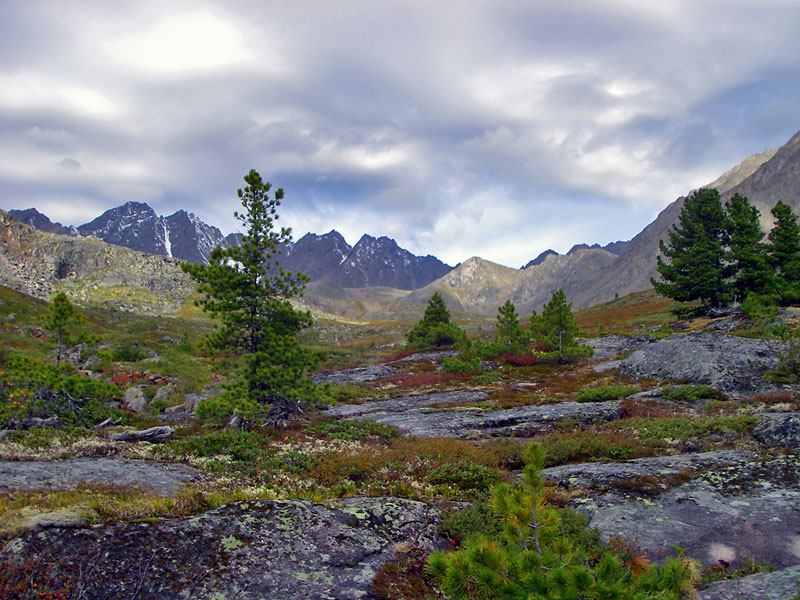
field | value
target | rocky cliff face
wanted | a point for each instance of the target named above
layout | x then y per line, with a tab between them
89	270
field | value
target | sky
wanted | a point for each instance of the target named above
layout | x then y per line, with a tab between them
464	128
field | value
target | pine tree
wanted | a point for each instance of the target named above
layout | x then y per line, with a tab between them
509	332
247	290
698	261
61	317
556	325
748	256
435	328
784	253
531	559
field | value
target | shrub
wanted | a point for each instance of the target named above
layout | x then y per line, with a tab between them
520	360
465	476
460	365
689	392
605	392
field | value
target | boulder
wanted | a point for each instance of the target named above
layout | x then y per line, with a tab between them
164	392
778	429
135	400
727	363
246	550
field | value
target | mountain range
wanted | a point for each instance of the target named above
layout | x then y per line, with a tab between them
377	270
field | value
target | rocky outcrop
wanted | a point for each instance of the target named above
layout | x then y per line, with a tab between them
354	375
163	479
732	510
778	429
422	415
245	550
730	364
778	585
89	271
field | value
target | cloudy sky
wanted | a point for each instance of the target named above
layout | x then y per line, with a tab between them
491	128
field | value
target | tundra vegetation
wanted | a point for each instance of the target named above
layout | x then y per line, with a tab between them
512	534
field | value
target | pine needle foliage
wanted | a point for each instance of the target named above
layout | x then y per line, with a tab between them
60	320
245	288
530	560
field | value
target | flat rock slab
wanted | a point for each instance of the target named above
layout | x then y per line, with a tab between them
164	479
420	356
778	585
475	422
355	375
613	344
603	474
727	363
403	403
731	512
244	550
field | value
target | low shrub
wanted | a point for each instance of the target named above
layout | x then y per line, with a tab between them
589	445
605	392
459	365
689	393
466	476
520	360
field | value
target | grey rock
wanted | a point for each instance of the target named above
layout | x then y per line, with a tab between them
730	512
727	363
476	422
606	366
164	392
404	403
247	550
420	356
134	398
610	345
356	375
164	479
779	585
179	408
191	401
593	474
778	429
153	435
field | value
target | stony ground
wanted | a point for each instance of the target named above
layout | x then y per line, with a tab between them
722	507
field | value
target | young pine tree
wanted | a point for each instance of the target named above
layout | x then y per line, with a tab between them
509	333
245	288
556	325
784	253
531	559
60	320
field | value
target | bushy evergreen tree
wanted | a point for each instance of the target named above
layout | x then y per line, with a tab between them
247	290
749	266
784	253
509	333
435	328
556	325
698	267
60	320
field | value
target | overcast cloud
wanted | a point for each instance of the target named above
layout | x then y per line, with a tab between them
497	129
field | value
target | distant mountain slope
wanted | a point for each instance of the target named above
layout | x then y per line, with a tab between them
760	177
372	262
32	217
89	270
